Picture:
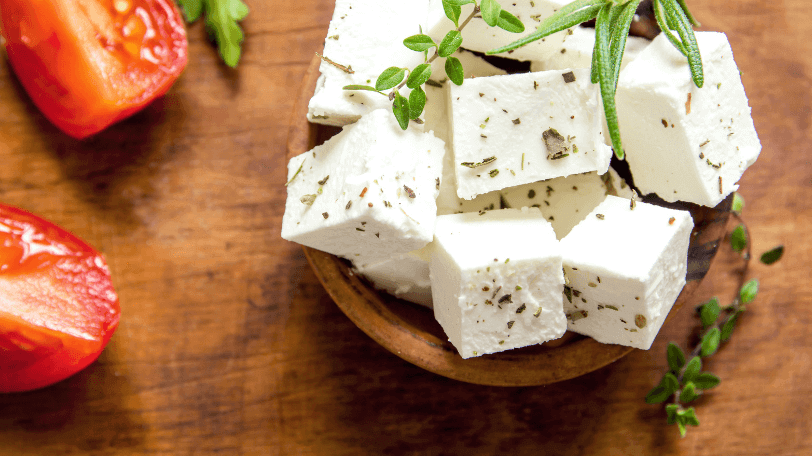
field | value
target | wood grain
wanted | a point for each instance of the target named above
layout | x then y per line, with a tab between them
228	343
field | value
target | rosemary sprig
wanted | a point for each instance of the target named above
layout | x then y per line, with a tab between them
685	381
612	21
394	78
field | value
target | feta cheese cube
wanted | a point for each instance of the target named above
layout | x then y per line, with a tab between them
405	276
521	128
436	119
565	201
366	194
625	269
682	142
479	36
367	37
496	280
576	51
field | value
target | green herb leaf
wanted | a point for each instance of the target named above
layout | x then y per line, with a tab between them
192	9
671	412
710	343
730	325
710	312
509	22
688	393
666	27
690	16
400	108
692	369
452	12
419	76
221	21
458	2
689	416
681	426
676	358
657	395
390	77
297	172
686	33
668	386
362	87
451	42
419	42
749	291
417	101
738	204
706	380
738	238
670	383
490	10
454	71
773	255
620	29
605	77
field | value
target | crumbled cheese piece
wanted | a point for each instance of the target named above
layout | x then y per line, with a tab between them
626	268
479	36
366	36
496	280
379	198
521	128
565	201
682	142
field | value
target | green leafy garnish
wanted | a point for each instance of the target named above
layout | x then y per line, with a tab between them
221	21
393	77
773	255
738	238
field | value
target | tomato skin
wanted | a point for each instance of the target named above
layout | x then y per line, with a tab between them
58	309
85	64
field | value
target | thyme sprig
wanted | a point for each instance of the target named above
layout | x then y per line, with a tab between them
685	381
613	19
394	78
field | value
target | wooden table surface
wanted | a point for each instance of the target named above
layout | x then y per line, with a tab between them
228	344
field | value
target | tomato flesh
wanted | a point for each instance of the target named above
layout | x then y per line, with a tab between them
58	308
89	63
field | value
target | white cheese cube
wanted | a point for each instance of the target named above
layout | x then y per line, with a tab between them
367	37
682	142
436	115
405	276
479	36
449	203
565	201
521	128
576	51
625	268
496	280
379	198
437	119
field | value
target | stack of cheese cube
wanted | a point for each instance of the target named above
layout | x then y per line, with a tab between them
500	210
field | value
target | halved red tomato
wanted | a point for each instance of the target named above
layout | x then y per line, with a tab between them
58	308
89	63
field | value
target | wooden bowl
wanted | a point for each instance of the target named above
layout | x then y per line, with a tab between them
411	332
